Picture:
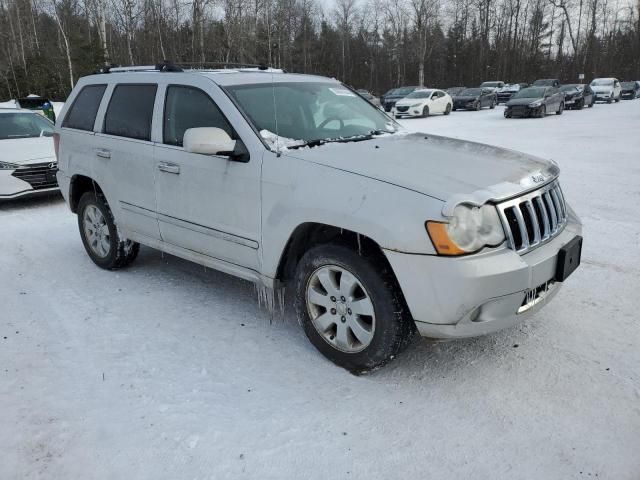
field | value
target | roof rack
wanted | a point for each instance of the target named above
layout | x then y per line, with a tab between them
169	66
164	66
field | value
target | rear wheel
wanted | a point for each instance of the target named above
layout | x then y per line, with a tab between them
349	308
100	235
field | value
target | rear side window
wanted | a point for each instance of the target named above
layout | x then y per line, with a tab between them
188	107
130	111
82	114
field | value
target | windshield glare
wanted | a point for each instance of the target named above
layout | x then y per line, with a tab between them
568	88
628	84
491	84
602	83
307	112
530	93
471	92
24	125
420	94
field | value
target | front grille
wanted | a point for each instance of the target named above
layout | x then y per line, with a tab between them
39	175
402	109
535	218
518	110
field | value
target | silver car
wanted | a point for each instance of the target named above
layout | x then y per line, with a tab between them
295	180
27	159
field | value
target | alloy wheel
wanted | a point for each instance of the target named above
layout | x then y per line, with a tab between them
96	231
340	309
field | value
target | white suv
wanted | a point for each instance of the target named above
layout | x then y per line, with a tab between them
294	179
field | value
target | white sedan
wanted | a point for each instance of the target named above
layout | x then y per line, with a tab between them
422	103
27	157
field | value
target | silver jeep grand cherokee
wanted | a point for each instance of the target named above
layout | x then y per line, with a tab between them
295	179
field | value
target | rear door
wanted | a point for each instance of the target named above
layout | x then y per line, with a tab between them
124	146
209	204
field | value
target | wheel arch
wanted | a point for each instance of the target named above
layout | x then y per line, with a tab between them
79	185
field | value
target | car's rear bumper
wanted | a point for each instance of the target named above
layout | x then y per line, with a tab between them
478	294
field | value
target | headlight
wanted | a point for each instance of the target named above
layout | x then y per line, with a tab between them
470	229
536	104
7	166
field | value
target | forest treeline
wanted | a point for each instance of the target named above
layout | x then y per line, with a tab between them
46	45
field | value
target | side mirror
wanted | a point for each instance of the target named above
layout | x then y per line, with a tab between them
208	141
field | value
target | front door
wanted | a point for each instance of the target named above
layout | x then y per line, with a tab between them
208	204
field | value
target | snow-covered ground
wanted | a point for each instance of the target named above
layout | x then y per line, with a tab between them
167	370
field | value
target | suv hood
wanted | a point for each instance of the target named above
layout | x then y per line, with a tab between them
603	89
439	167
22	151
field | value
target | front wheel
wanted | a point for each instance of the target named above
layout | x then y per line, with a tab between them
100	235
447	110
580	105
349	308
560	109
477	106
493	105
425	111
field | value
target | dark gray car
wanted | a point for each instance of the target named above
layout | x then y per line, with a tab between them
535	102
475	99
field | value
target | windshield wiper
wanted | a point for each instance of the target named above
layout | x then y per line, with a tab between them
354	138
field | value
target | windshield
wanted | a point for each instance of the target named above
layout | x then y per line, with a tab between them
420	94
403	90
24	125
628	84
471	92
546	82
308	112
568	88
530	93
602	82
491	84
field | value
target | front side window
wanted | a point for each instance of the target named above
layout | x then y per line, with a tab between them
82	114
130	111
307	112
187	107
24	125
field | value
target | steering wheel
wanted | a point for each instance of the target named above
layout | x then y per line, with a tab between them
330	119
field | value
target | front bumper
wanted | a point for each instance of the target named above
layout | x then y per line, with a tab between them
28	180
523	111
479	294
410	112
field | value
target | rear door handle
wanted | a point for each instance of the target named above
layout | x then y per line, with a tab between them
169	168
102	153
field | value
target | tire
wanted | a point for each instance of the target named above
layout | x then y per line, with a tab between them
580	105
560	109
610	99
425	111
447	110
477	106
593	102
106	249
618	99
330	323
493	105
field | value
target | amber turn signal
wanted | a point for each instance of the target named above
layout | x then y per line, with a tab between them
440	239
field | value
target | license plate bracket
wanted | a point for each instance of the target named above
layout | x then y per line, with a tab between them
568	259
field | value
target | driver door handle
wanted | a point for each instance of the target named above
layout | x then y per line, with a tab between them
169	168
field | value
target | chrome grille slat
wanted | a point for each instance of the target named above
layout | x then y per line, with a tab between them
534	221
534	218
